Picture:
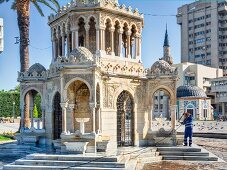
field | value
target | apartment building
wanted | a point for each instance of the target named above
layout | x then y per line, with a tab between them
1	36
204	33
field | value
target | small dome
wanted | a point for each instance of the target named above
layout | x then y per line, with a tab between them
162	66
82	54
37	67
190	91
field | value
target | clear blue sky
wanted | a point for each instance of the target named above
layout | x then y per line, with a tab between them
153	36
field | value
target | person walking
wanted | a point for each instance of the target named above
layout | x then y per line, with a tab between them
188	122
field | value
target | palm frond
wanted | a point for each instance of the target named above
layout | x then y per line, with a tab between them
38	8
55	2
46	4
2	1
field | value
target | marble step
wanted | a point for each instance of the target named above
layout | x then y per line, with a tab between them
95	168
174	153
69	163
72	158
30	167
179	149
189	158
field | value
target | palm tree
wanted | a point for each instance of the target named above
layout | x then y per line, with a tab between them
23	16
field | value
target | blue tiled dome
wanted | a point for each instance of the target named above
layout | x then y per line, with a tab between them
37	67
190	91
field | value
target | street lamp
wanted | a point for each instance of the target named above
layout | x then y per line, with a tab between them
13	111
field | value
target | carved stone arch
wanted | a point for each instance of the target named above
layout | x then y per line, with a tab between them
133	24
64	95
110	19
95	17
166	88
79	17
118	92
32	88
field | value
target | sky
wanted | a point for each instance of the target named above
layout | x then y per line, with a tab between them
40	40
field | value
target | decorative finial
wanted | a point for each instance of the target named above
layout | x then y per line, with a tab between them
166	41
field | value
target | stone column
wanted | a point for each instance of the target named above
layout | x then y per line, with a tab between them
120	32
97	39
87	36
150	118
139	48
92	107
112	40
26	110
128	34
31	115
64	106
53	49
77	38
173	116
22	118
223	109
63	44
99	120
136	44
71	108
43	117
73	39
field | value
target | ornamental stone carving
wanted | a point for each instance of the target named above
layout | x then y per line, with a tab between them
161	67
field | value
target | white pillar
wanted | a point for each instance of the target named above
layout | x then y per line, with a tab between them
22	118
150	118
139	48
63	44
43	117
77	39
97	39
64	106
73	39
136	43
128	34
112	40
92	107
120	43
87	37
53	50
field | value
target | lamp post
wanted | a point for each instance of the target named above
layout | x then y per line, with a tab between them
13	111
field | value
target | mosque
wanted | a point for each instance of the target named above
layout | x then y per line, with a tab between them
96	94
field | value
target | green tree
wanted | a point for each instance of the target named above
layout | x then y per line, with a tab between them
22	8
35	112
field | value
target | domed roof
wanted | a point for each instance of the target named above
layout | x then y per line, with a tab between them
81	54
162	66
190	91
37	67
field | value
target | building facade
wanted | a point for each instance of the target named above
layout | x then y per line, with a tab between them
204	33
219	88
96	94
1	36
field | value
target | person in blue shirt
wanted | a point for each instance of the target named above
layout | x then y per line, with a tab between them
188	122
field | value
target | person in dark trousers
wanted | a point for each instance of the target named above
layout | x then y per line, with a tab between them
188	128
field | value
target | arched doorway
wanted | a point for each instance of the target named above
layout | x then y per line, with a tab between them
125	119
57	111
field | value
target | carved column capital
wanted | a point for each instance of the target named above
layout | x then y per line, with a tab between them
64	105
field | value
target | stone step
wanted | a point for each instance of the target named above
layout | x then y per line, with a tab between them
70	163
95	168
179	149
30	167
174	153
190	158
72	158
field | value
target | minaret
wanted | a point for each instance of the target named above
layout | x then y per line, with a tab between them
166	49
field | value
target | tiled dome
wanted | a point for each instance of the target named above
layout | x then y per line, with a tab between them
190	91
37	67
